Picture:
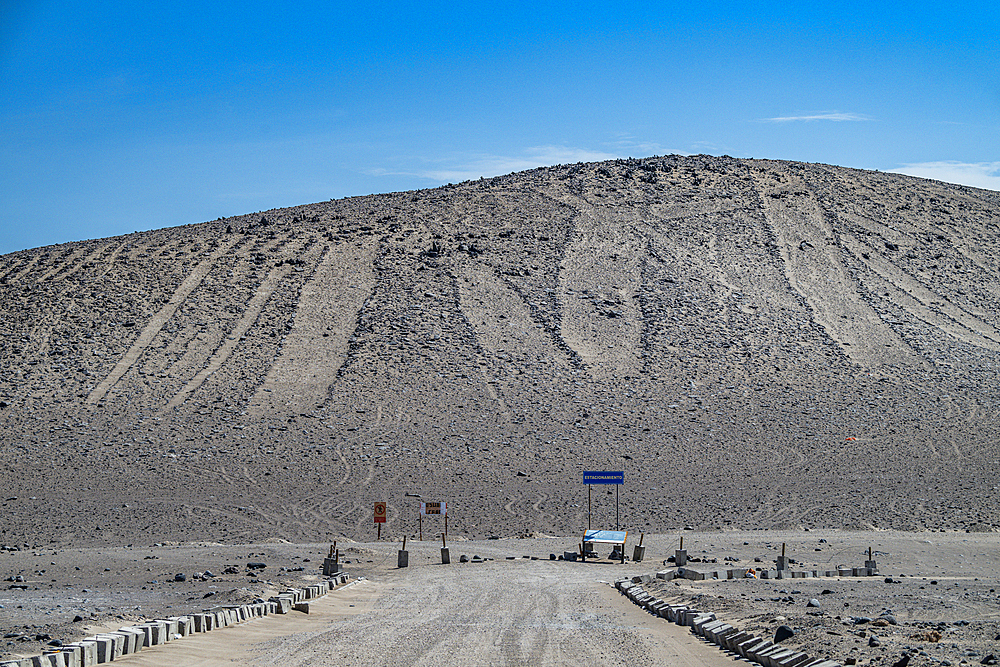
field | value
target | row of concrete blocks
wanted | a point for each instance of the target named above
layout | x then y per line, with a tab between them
107	647
738	573
744	644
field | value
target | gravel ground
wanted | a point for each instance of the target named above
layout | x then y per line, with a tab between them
521	606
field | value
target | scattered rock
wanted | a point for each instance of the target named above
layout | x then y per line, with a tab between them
782	633
813	602
180	576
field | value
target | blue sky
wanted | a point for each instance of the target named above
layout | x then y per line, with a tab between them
116	117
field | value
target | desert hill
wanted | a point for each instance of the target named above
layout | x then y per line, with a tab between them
758	344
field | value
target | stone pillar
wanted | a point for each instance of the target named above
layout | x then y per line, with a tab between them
680	557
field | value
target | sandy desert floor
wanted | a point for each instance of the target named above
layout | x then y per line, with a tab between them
521	608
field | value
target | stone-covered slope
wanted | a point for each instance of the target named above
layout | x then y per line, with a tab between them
757	343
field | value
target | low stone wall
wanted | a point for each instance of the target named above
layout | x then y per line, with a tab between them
129	639
705	624
740	573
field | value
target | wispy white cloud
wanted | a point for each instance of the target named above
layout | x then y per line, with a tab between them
984	175
837	116
469	167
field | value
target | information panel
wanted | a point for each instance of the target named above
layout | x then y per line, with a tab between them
606	536
433	508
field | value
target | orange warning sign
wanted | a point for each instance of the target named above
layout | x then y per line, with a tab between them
379	512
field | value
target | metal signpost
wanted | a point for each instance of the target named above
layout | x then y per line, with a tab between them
616	477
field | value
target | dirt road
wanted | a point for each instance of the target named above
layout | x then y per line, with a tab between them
495	613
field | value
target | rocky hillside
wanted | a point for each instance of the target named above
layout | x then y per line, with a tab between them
756	343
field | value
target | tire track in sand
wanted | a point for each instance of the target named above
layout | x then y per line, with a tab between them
250	315
153	327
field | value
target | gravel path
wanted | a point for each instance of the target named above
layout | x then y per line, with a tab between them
495	613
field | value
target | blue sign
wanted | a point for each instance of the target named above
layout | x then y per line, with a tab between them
603	476
605	536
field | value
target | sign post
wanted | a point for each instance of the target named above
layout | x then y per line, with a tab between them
440	509
616	477
379	518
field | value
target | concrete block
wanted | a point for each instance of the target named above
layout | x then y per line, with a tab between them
69	658
704	625
403	558
73	655
685	617
747	645
753	652
797	659
135	639
624	584
48	660
171	628
331	567
15	663
638	553
666	575
843	572
680	557
719	634
770	658
152	633
700	616
88	652
185	625
733	640
763	656
106	647
302	606
445	556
